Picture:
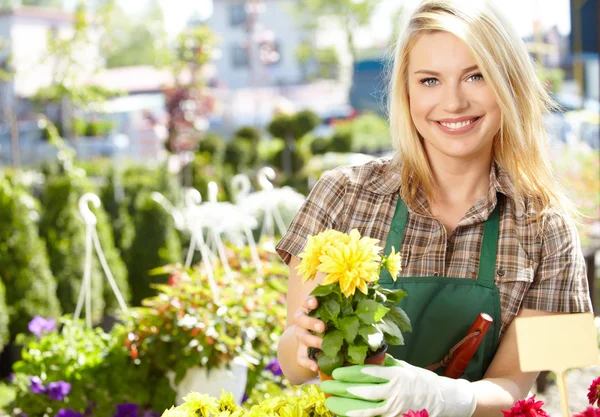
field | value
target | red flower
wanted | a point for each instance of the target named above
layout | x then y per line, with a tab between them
594	391
526	408
411	413
589	412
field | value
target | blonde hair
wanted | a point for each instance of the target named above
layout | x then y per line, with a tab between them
520	147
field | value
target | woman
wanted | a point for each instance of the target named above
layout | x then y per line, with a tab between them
470	201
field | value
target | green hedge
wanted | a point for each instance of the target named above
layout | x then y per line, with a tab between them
4	334
30	286
155	244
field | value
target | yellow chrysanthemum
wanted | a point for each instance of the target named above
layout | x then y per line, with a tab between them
393	263
177	412
315	246
202	404
227	402
354	264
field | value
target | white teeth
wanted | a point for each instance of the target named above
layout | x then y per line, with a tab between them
457	125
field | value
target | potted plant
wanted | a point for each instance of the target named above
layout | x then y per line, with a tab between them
359	325
68	368
207	342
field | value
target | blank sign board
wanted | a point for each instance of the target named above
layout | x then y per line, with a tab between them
557	342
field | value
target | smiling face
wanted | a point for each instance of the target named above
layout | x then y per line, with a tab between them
451	105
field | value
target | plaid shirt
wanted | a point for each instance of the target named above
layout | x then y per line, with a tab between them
536	271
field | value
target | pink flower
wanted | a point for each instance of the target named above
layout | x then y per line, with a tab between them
594	391
526	408
411	413
589	412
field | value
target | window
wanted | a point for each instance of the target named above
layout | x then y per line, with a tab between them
237	14
239	56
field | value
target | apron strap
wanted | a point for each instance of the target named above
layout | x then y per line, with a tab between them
395	237
489	247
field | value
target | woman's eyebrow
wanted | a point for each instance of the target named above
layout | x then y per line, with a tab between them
431	72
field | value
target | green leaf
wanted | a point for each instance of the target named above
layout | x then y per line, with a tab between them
357	354
322	290
393	296
346	306
332	343
393	335
401	319
329	310
370	311
349	326
372	335
328	364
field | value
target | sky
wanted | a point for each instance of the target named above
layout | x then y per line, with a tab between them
521	12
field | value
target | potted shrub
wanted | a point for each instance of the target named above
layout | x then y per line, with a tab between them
361	318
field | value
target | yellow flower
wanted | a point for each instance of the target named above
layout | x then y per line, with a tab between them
393	263
202	405
177	412
353	263
292	410
227	402
315	246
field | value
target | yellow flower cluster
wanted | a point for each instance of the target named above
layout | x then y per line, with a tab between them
350	259
310	404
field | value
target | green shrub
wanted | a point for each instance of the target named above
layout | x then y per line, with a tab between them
296	159
4	333
64	232
118	212
155	244
319	146
370	133
249	133
30	286
239	154
341	141
304	122
213	144
281	127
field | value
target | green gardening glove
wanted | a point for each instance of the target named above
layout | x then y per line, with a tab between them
394	389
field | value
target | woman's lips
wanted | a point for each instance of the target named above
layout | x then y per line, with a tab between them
458	128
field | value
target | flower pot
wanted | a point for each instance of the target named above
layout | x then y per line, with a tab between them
378	358
197	379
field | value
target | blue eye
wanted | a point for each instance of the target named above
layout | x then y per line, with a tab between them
475	77
429	82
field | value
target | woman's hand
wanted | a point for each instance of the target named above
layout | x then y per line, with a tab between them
303	327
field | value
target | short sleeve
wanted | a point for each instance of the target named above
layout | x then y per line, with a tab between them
322	210
560	283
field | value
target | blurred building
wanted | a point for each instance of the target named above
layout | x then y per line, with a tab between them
259	40
243	26
25	31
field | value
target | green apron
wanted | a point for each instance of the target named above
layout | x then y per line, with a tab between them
442	309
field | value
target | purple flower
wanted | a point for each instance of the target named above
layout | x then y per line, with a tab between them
58	390
274	368
68	413
39	325
244	398
127	410
37	387
10	378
